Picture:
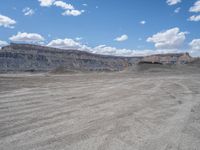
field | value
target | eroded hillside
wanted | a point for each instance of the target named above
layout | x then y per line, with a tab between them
25	57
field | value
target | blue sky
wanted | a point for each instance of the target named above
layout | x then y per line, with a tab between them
118	27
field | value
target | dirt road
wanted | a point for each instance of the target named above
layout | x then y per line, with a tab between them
105	111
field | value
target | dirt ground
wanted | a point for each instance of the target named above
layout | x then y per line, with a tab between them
100	111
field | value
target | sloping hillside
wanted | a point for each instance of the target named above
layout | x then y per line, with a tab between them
26	57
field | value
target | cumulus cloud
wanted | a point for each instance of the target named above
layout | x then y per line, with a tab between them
195	7
28	11
143	22
177	10
65	44
108	50
71	44
195	44
27	37
194	18
173	2
3	43
101	49
69	8
168	39
63	5
122	38
6	22
46	3
73	12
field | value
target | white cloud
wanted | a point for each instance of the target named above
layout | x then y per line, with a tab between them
143	22
6	22
3	43
27	37
177	10
63	5
46	3
69	8
195	7
194	18
168	39
108	50
65	44
195	44
78	38
73	12
173	2
28	11
85	5
103	49
122	38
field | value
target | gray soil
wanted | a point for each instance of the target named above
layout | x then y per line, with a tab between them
149	110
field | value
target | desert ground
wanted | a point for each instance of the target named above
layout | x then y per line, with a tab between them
147	110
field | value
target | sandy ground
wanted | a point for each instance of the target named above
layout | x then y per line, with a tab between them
105	111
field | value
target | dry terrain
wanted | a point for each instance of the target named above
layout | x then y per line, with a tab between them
100	111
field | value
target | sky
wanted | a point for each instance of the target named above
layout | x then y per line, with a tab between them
110	27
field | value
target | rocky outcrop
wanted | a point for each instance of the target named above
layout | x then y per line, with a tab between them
174	58
26	57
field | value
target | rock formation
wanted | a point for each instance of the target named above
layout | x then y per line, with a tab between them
174	58
26	57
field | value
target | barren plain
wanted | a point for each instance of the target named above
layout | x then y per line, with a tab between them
149	110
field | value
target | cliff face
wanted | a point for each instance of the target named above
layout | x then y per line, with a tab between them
25	57
180	58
